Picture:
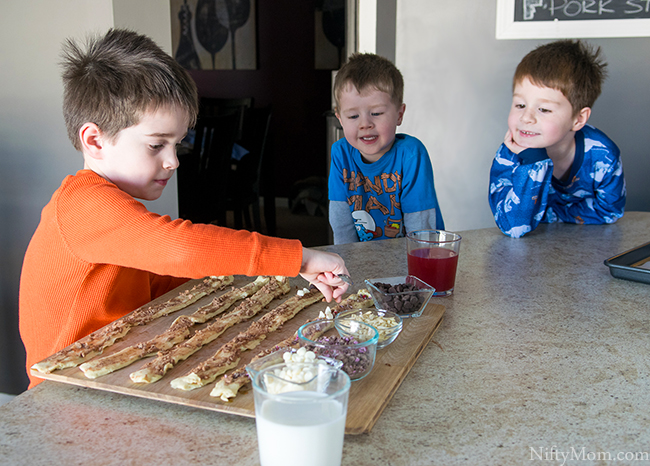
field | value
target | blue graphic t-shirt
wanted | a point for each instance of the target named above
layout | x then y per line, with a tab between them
523	191
379	193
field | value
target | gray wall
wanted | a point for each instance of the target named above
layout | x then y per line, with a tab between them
36	153
458	80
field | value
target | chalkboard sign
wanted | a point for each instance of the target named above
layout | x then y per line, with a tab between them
580	10
546	19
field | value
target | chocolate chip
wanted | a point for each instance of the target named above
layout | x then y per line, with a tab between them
399	303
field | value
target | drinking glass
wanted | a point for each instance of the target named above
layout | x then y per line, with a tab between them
433	258
299	422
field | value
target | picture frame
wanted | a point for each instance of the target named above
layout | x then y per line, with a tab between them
214	34
634	21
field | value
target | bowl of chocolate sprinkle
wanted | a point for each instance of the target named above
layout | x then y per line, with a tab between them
356	352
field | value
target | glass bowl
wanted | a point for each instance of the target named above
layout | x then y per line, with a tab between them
297	369
281	356
387	323
405	296
357	353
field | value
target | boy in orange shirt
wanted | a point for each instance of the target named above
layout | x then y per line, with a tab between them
98	253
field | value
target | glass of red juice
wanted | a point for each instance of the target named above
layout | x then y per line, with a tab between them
433	258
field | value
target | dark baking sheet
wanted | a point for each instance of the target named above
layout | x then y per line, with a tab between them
631	265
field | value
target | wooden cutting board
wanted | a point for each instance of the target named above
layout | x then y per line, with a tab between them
368	396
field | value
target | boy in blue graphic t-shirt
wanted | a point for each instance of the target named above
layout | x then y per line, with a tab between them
380	183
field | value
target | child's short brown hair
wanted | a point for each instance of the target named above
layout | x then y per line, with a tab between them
364	70
570	66
119	77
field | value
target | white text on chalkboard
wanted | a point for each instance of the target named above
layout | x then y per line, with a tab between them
558	10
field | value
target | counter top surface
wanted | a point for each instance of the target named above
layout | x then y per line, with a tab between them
541	353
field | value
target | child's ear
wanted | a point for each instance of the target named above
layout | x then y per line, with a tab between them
92	140
581	118
400	113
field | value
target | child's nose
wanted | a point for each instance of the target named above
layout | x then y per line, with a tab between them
528	116
171	161
365	122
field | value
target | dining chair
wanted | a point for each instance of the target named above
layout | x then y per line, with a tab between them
215	106
245	185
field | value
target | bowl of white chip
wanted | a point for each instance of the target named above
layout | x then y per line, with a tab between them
387	323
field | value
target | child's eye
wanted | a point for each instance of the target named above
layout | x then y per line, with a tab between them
377	113
352	117
520	106
544	110
155	147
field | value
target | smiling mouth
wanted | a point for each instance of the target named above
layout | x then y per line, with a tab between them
368	138
527	133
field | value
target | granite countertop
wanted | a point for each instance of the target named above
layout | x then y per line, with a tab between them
541	353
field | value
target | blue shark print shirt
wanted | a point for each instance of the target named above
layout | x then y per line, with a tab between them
523	191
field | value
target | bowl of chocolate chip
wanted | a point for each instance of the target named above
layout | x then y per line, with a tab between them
405	296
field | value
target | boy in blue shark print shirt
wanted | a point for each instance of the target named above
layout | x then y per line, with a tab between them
552	165
380	183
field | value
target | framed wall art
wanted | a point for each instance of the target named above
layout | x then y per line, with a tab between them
214	34
329	27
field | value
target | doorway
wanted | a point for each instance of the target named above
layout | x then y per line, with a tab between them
288	80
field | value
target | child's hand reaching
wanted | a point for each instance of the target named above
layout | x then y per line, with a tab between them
322	269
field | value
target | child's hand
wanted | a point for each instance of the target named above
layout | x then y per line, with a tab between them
321	269
510	143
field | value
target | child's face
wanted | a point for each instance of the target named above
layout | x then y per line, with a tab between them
142	158
369	120
541	117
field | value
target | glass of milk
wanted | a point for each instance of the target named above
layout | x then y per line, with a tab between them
300	411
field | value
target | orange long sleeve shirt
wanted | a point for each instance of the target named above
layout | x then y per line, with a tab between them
98	254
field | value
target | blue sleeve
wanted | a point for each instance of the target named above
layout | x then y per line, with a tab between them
519	188
340	218
336	188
